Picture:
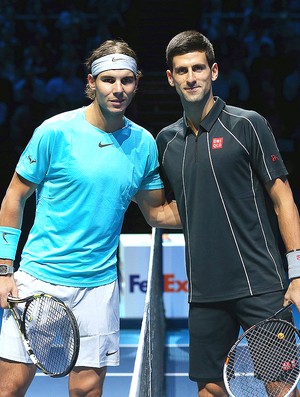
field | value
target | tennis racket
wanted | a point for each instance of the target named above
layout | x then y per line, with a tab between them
264	361
49	332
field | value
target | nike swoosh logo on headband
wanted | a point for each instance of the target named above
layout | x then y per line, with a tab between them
117	59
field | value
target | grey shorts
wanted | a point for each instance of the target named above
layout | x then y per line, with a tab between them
97	313
214	327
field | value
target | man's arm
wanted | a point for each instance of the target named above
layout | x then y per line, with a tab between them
156	210
11	216
289	226
12	207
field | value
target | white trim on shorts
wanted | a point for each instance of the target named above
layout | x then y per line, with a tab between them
97	313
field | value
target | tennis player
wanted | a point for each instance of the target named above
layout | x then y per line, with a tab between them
225	171
85	166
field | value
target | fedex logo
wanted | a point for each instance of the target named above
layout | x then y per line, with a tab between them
170	284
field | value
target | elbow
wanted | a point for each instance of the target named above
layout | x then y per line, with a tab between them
153	221
154	218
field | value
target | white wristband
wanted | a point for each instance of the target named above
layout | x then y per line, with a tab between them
293	259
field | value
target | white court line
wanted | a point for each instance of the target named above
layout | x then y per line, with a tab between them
176	374
244	374
166	345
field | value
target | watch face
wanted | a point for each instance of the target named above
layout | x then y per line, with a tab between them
5	269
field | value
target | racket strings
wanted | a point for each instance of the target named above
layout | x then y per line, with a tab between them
50	334
265	362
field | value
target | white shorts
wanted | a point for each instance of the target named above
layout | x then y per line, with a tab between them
97	313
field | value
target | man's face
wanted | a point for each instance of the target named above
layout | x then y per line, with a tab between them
192	77
114	90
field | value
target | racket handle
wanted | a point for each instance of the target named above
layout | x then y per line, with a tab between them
283	308
14	299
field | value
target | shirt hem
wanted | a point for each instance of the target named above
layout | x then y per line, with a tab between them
235	296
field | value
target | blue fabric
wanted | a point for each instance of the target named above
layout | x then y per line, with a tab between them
86	179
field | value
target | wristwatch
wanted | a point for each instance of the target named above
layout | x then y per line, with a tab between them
6	269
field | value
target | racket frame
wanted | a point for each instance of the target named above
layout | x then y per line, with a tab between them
244	335
20	320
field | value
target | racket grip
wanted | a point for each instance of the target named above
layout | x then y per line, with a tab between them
14	299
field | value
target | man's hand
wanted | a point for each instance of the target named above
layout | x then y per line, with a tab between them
293	293
7	287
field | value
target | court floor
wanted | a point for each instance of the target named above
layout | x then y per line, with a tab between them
117	383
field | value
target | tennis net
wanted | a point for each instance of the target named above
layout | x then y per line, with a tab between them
149	367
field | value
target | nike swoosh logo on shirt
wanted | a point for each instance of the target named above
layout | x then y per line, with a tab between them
104	144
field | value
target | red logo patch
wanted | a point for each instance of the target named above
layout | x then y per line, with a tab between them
217	143
288	365
274	158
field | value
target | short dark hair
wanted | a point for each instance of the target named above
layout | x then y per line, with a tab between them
189	41
116	46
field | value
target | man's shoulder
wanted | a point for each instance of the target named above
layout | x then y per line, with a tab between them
138	133
64	117
171	130
133	126
236	111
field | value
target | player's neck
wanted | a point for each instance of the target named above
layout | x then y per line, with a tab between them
106	122
196	112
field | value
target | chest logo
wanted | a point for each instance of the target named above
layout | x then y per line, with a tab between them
104	144
274	158
31	160
217	143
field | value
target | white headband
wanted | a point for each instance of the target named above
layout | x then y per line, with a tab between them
113	61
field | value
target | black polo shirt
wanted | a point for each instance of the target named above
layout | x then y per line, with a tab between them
229	224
